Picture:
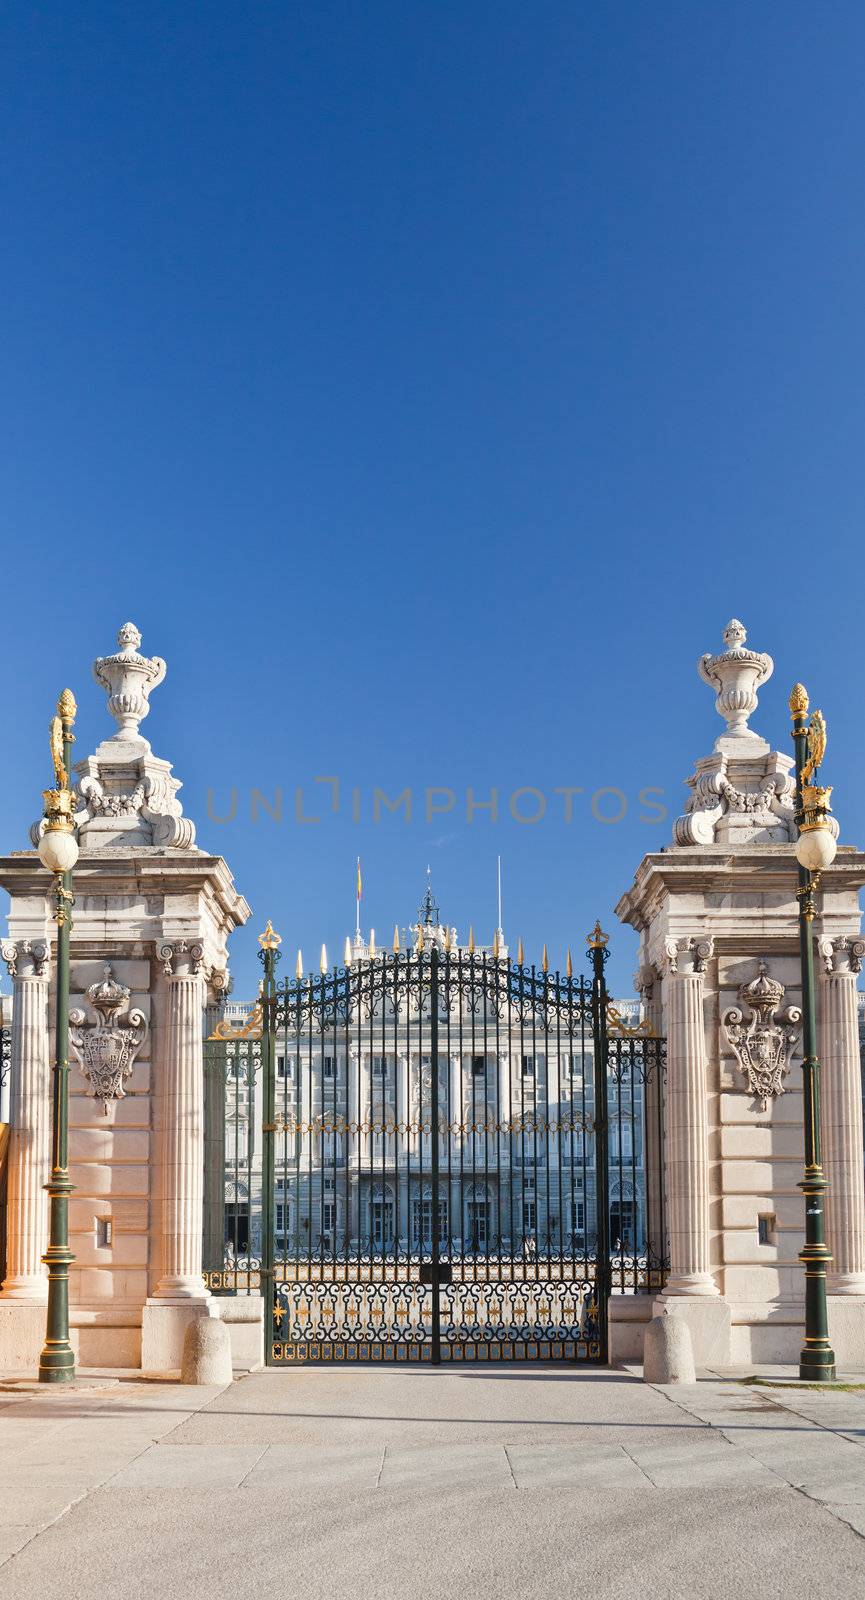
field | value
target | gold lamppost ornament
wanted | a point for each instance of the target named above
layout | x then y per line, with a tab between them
58	851
815	850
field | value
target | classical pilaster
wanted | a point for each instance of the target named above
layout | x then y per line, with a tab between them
30	1122
687	1132
841	1096
182	1126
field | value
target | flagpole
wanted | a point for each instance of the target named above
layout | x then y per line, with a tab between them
357	913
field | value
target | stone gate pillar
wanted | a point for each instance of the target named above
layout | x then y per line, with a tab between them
717	914
151	920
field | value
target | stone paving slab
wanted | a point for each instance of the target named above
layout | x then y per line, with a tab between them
564	1466
294	1467
166	1467
429	1484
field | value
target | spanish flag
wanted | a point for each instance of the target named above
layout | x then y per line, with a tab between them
359	882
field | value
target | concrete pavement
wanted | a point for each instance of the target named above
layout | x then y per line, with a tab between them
431	1483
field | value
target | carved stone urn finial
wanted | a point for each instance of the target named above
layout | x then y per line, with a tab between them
128	678
736	675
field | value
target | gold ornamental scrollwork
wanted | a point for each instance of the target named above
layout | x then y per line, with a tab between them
252	1028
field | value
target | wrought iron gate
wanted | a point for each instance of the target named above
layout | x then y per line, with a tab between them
453	1160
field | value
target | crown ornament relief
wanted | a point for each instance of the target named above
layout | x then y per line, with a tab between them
762	1045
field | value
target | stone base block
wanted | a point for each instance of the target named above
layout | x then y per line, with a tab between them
163	1329
668	1354
206	1352
108	1346
243	1315
628	1316
22	1335
847	1331
708	1321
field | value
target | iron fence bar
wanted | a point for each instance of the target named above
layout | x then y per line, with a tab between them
601	1126
268	1144
434	1153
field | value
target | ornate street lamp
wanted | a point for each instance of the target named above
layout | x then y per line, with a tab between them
58	851
815	850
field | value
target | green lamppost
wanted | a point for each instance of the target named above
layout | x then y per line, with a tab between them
815	850
58	851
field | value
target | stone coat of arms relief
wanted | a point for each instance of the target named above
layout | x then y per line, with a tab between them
106	1050
762	1043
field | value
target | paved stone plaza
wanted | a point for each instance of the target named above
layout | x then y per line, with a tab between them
428	1482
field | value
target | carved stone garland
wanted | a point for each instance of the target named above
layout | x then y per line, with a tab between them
763	1044
106	1050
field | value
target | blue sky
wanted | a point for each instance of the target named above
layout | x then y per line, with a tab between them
431	384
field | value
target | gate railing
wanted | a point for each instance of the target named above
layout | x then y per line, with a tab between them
506	1231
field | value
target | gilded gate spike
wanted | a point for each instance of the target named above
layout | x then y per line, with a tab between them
447	938
269	939
419	945
798	700
471	941
545	965
298	971
520	953
323	959
347	952
372	941
570	965
395	939
496	945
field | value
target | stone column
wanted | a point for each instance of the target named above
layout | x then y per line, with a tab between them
29	1160
841	1120
182	1126
687	1131
180	1294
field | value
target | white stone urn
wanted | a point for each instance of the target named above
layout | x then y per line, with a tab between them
129	678
736	674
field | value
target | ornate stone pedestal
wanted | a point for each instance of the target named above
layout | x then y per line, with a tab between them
156	911
718	921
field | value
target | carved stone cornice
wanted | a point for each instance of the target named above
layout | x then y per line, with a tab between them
842	956
763	1043
25	958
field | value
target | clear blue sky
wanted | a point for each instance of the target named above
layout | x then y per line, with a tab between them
431	384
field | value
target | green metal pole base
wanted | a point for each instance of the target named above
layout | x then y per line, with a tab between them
57	1364
817	1366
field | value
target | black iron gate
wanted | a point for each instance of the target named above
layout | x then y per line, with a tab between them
459	1158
